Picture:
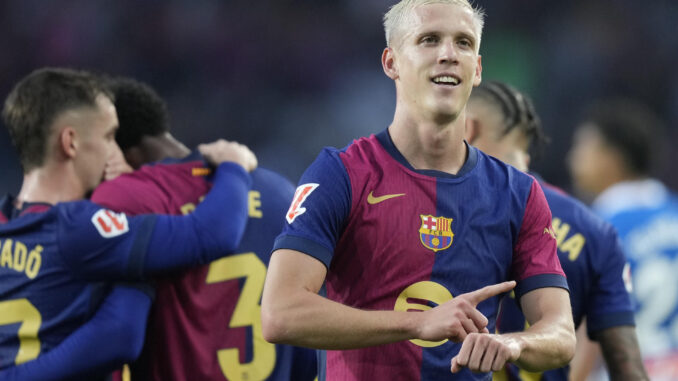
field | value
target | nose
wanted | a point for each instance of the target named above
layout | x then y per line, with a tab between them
447	54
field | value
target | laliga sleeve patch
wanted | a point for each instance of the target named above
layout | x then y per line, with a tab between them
300	195
110	224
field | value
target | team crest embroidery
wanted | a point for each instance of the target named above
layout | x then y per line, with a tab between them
435	233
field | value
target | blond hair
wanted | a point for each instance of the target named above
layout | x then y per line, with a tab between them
398	12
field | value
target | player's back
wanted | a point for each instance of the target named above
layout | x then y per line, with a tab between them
205	323
596	272
41	299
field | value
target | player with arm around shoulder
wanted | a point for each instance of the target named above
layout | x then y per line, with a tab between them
57	250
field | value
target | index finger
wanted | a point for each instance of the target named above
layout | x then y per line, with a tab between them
487	292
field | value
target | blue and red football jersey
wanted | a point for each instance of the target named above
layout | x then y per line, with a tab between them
51	266
396	238
54	258
597	275
205	323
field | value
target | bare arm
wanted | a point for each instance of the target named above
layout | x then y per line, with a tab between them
622	354
586	355
548	343
293	312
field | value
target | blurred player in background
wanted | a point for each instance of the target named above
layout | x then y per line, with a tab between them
415	219
502	122
205	323
56	254
611	159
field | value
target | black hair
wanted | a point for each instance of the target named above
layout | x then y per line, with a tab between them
38	99
628	126
141	111
517	109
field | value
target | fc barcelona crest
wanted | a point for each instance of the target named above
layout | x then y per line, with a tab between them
435	232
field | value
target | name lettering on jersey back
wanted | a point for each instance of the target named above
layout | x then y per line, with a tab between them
15	255
253	202
574	242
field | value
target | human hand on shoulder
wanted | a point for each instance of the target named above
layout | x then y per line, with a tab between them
458	318
222	151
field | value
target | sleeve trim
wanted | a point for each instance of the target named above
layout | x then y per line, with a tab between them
540	281
305	246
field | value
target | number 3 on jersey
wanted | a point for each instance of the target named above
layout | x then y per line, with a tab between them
247	313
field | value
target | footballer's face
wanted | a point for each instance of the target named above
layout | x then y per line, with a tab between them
485	131
592	162
96	141
434	60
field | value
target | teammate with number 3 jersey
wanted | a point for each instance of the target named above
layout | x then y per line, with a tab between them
57	249
205	324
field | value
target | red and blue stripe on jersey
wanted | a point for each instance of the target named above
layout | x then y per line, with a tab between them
593	262
192	318
381	228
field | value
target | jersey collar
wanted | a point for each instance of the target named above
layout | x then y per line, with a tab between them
385	140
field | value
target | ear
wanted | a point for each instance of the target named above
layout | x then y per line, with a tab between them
478	77
388	63
68	142
473	128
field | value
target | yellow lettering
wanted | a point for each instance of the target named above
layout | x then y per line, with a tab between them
6	256
254	198
19	256
187	208
561	230
573	246
34	262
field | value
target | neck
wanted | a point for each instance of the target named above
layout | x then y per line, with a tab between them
50	184
430	143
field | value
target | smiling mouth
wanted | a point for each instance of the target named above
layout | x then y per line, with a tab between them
446	80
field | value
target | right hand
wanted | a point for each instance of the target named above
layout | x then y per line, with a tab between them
455	319
222	151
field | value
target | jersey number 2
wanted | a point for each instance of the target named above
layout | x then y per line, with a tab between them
22	311
247	313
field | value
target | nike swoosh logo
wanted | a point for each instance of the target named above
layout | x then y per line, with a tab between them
375	200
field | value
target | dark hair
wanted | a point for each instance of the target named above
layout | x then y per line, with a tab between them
37	100
141	111
517	109
630	127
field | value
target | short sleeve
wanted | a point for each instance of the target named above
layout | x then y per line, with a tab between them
609	304
98	243
321	205
535	260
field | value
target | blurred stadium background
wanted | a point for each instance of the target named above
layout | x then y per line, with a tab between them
288	77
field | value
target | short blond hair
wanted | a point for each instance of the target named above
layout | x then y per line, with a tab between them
398	12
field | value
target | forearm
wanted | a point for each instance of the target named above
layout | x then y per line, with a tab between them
113	336
545	345
622	354
550	340
213	230
310	320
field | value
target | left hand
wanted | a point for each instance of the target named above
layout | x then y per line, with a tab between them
483	352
